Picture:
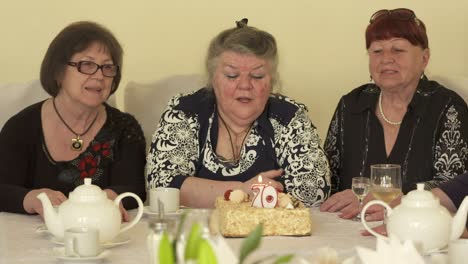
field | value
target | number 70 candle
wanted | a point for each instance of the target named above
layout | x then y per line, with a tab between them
265	196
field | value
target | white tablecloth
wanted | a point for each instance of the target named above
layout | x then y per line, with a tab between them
20	243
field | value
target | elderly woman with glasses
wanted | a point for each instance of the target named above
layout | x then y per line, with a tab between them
222	137
400	118
52	145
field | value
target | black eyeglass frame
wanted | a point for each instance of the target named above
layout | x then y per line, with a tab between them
102	67
398	13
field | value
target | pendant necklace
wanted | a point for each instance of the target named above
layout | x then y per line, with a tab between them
77	142
383	116
235	158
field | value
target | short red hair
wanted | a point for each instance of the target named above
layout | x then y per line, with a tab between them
390	25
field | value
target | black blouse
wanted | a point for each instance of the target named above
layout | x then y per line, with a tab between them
282	137
431	145
114	159
456	189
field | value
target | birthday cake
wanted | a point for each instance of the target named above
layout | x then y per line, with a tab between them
237	217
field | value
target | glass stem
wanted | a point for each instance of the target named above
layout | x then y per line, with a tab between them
358	216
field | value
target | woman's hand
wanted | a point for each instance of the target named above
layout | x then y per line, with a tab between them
112	195
353	209
268	177
341	201
349	206
32	204
376	212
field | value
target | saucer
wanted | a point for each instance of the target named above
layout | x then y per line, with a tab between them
42	229
147	211
118	240
443	250
60	254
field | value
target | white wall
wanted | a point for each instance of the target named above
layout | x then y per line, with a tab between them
322	49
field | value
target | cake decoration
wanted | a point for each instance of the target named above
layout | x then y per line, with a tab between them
237	217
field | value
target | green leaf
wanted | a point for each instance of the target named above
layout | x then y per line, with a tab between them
251	243
193	243
166	252
206	254
284	259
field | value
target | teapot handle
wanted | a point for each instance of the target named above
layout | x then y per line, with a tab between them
363	217
140	209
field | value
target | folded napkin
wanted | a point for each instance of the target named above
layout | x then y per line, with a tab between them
390	252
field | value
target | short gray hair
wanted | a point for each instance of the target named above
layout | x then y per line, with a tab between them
243	39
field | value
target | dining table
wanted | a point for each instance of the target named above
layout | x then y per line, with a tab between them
20	241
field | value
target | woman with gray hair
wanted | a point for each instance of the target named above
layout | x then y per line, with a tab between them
222	136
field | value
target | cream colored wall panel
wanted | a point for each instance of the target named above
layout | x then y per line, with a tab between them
322	49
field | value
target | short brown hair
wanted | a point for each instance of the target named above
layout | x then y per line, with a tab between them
390	25
243	39
75	38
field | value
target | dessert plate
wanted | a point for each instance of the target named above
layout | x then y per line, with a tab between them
147	211
60	254
118	240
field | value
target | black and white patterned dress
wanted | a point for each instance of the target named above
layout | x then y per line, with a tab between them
431	145
282	137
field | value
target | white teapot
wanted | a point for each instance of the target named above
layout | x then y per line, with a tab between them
422	219
88	206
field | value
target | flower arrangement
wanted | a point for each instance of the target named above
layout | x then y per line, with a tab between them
200	249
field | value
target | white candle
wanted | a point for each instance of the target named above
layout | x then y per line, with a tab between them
257	189
269	197
265	196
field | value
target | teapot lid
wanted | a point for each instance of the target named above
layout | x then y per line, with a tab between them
87	192
420	198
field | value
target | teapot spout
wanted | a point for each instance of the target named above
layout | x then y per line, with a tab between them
51	217
459	220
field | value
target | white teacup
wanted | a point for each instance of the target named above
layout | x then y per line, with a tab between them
82	242
168	196
458	251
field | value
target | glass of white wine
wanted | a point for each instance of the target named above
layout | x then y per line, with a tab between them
386	182
360	187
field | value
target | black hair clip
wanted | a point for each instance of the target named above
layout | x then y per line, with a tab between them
242	23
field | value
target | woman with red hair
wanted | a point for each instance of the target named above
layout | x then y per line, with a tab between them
399	118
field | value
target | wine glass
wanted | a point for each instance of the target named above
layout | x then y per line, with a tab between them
360	187
386	182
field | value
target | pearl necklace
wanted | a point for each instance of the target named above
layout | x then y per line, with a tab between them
383	116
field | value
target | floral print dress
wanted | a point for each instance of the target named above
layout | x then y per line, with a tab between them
282	137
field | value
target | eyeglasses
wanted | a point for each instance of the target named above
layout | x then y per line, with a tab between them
399	13
90	68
